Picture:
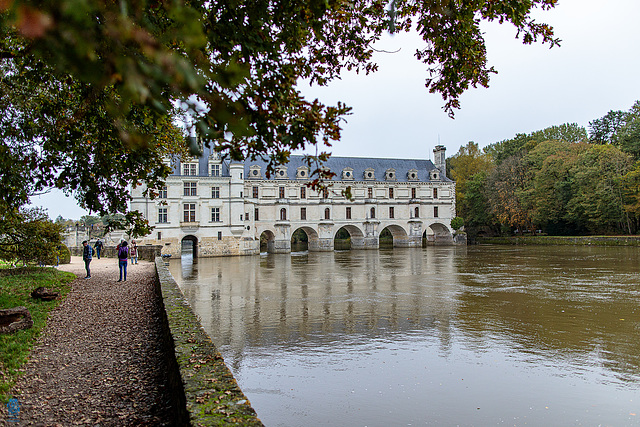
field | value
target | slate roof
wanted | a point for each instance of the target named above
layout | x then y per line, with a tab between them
336	164
359	166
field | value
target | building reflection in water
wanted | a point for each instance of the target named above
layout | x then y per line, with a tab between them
306	298
562	320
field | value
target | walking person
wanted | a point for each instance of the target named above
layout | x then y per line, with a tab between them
123	259
98	247
87	254
133	252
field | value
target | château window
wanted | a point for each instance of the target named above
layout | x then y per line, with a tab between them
373	213
215	170
348	213
255	192
303	192
190	188
163	193
435	193
391	212
391	193
190	212
215	192
370	193
283	214
256	214
303	214
327	213
435	212
215	214
281	193
189	169
219	235
325	193
417	212
159	235
162	215
414	192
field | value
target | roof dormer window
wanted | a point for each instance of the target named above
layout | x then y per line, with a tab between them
302	172
390	175
255	172
347	173
190	169
412	175
369	174
281	172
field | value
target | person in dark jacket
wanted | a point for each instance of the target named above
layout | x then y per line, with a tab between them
123	259
98	247
87	255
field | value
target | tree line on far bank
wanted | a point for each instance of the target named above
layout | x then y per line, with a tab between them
563	180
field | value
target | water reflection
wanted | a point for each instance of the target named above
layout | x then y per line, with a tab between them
405	336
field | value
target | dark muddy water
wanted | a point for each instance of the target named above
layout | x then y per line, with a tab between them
477	336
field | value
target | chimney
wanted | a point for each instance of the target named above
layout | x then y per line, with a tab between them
439	159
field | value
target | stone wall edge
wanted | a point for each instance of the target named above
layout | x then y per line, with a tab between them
211	394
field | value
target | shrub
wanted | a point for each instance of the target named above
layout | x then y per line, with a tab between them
457	223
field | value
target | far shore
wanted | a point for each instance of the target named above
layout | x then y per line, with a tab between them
562	240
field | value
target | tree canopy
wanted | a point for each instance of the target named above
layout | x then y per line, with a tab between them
89	88
561	180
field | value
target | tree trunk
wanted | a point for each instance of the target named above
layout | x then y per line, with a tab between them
14	319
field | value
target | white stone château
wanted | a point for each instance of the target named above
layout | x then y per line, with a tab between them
225	207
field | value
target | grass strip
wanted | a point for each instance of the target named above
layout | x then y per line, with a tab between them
15	289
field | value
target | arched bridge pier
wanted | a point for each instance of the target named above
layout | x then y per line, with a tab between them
363	235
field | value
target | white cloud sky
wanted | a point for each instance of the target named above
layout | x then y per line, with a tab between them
595	70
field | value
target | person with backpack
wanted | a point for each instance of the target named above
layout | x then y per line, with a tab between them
123	259
98	247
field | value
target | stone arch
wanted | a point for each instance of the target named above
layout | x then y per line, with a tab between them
312	236
356	237
267	241
189	243
347	237
398	234
438	234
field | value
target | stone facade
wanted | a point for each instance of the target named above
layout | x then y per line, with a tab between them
223	208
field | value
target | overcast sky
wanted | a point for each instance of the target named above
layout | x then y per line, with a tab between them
595	70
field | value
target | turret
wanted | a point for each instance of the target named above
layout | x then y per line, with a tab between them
439	159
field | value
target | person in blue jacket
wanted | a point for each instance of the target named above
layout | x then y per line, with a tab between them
87	255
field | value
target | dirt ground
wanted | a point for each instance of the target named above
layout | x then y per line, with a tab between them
99	360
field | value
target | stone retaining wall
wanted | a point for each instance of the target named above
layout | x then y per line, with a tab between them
202	380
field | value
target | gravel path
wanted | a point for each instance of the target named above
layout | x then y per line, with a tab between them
99	360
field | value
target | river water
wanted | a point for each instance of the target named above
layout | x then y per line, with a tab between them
474	336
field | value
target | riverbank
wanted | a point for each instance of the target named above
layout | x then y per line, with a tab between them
562	240
105	357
